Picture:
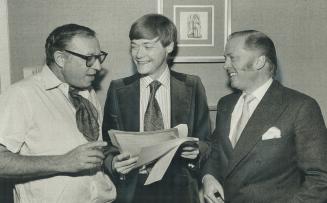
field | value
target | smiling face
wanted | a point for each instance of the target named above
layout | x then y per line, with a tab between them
74	70
149	56
239	65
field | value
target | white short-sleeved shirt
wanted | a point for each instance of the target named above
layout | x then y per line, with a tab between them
37	118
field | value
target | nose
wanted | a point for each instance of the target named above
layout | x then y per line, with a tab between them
140	52
96	65
227	64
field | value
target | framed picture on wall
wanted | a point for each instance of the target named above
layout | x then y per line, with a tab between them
202	26
195	25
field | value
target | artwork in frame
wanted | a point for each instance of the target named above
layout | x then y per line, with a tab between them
202	26
195	25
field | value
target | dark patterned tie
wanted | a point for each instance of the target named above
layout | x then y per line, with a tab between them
86	115
153	116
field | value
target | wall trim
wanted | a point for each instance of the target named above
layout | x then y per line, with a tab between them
5	78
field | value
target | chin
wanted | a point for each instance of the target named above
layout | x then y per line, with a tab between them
143	70
85	85
235	85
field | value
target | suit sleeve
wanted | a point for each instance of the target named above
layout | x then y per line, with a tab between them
201	128
110	121
311	147
213	165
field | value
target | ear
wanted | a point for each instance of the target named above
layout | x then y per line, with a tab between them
260	62
170	47
59	58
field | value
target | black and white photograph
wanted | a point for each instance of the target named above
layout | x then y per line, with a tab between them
163	101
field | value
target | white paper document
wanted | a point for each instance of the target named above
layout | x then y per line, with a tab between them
152	146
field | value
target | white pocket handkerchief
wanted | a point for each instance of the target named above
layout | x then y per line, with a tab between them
271	133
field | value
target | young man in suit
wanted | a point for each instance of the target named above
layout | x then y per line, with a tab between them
270	141
175	98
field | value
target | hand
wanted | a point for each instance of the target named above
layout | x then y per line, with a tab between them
219	200
123	163
190	149
190	152
83	157
210	187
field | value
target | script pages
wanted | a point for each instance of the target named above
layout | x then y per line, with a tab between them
152	146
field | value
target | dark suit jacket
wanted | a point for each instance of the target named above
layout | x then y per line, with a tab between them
188	105
292	168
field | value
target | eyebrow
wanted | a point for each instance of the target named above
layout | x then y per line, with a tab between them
152	41
149	42
144	43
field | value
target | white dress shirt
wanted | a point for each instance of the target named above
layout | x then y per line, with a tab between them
237	112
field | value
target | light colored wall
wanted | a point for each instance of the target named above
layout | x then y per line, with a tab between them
30	22
298	28
4	47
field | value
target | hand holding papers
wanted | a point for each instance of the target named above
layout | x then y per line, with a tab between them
190	150
159	146
123	164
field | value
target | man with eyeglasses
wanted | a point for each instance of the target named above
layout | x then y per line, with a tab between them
50	138
156	98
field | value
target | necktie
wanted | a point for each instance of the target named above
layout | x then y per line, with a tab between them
152	121
153	116
86	115
248	98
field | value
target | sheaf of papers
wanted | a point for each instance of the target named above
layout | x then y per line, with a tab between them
152	146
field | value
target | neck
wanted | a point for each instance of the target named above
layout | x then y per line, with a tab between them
256	84
156	75
57	71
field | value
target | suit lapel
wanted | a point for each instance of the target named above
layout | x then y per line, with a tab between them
181	98
264	117
224	120
129	107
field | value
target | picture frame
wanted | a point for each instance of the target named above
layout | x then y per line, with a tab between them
202	28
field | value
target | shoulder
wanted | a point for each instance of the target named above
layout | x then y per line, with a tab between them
21	96
228	101
27	87
124	82
229	97
295	97
121	82
187	78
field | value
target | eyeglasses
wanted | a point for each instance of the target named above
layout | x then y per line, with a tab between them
90	60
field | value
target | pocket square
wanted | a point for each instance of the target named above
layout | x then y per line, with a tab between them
271	133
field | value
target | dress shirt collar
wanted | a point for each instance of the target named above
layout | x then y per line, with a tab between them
164	79
51	81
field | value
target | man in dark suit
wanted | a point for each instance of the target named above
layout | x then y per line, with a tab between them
270	142
181	99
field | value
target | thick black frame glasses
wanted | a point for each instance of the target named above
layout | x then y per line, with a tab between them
90	60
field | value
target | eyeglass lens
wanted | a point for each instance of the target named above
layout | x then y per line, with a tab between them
91	59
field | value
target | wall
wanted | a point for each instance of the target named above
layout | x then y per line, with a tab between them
4	47
30	24
297	27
